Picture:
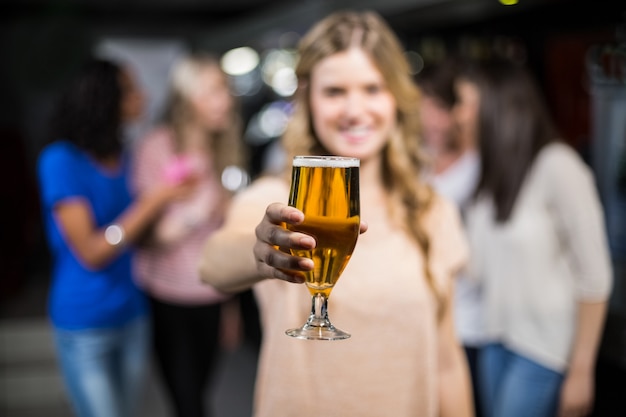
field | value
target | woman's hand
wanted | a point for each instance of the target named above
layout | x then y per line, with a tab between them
274	241
169	192
577	395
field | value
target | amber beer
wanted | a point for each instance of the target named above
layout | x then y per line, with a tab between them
327	192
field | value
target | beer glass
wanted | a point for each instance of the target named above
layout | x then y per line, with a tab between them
326	190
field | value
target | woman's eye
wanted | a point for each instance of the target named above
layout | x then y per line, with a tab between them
373	89
332	91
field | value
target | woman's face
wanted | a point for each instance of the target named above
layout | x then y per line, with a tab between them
132	105
465	111
353	112
437	124
212	100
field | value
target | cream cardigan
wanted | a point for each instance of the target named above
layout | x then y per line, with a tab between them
551	254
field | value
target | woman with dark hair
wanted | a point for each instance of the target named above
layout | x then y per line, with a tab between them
538	245
99	316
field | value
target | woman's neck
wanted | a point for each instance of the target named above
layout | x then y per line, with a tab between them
370	177
444	160
194	139
108	164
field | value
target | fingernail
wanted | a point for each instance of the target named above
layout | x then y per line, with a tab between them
306	263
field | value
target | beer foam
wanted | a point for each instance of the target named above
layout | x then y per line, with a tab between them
325	161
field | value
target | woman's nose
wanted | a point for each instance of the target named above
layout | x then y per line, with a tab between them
354	105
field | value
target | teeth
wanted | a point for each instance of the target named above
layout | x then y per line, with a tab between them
356	130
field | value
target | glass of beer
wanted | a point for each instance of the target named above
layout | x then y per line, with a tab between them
326	190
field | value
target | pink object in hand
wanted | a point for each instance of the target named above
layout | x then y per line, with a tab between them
178	170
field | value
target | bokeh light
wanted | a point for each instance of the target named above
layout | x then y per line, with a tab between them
240	61
234	178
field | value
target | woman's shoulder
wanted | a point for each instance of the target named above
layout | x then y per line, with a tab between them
59	148
268	187
441	209
443	223
558	162
59	153
558	156
154	147
249	204
160	136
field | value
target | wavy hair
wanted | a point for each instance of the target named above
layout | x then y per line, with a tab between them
402	160
225	145
88	113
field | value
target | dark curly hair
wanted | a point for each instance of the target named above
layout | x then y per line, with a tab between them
88	113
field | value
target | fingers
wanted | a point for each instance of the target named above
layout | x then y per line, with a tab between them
178	191
273	263
272	231
278	213
575	412
363	227
274	241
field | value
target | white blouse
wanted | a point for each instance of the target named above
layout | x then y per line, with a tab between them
457	183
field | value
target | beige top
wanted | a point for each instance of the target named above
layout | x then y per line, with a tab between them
552	253
389	365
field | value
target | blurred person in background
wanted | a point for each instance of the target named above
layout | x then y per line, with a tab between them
538	245
453	170
200	136
355	98
99	316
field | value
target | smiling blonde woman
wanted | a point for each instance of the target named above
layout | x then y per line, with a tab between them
355	98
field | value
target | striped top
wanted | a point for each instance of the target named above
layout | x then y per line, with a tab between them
168	270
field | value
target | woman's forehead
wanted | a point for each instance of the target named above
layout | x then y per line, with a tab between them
351	65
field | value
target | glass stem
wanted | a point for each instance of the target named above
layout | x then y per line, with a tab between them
319	311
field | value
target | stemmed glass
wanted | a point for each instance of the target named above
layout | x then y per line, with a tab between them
326	190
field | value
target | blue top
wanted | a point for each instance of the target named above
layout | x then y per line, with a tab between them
80	297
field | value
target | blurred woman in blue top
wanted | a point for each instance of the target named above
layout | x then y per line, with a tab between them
99	316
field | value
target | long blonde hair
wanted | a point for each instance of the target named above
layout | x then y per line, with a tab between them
402	156
225	145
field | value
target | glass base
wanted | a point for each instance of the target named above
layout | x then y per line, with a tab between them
318	333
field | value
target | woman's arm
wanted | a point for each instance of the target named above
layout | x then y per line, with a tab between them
253	243
577	394
454	383
230	258
155	164
180	219
245	251
227	262
579	217
75	221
